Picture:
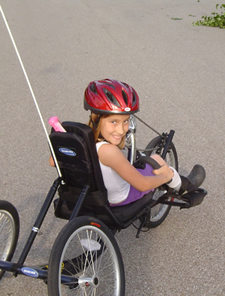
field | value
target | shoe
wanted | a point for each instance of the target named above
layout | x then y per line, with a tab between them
193	180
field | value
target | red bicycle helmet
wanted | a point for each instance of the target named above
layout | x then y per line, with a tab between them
110	96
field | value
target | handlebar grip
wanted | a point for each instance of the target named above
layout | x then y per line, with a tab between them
154	164
55	123
146	159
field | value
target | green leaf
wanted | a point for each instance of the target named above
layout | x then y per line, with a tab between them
176	18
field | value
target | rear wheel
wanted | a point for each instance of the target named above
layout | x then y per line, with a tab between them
9	231
160	211
86	260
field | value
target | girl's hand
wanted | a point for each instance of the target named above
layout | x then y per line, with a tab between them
164	171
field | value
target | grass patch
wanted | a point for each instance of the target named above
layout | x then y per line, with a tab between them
217	19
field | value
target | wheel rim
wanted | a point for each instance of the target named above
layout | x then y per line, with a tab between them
7	231
158	211
95	273
170	159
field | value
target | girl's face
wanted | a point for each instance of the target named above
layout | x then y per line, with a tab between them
114	127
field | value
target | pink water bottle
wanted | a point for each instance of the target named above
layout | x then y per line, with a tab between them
55	123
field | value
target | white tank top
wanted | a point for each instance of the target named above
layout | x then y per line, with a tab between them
117	187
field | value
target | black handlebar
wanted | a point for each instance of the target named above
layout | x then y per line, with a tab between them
168	141
146	159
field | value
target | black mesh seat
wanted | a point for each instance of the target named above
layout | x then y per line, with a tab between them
77	157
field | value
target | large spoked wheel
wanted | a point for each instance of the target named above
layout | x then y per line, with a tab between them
86	260
9	231
160	211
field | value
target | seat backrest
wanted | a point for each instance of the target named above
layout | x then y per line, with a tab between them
77	157
76	153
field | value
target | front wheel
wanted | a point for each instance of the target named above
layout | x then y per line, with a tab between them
9	231
86	260
160	211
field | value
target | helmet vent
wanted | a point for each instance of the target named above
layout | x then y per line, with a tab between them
111	97
93	88
125	97
134	99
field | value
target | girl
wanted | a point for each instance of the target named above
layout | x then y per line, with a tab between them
111	102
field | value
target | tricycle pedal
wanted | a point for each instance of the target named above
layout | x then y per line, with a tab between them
193	198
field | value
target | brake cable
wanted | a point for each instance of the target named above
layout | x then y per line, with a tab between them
142	121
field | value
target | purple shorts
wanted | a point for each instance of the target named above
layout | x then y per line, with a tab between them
135	194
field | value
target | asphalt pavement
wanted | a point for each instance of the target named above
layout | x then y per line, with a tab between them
178	71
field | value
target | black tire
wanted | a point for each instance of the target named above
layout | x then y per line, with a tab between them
160	211
9	231
87	252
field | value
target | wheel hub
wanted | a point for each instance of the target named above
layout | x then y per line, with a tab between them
86	282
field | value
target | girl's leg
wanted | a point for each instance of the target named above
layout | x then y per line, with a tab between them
159	159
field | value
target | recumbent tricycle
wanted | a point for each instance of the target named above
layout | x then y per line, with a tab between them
85	258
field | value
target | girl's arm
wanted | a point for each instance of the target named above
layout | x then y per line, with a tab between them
51	161
110	155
